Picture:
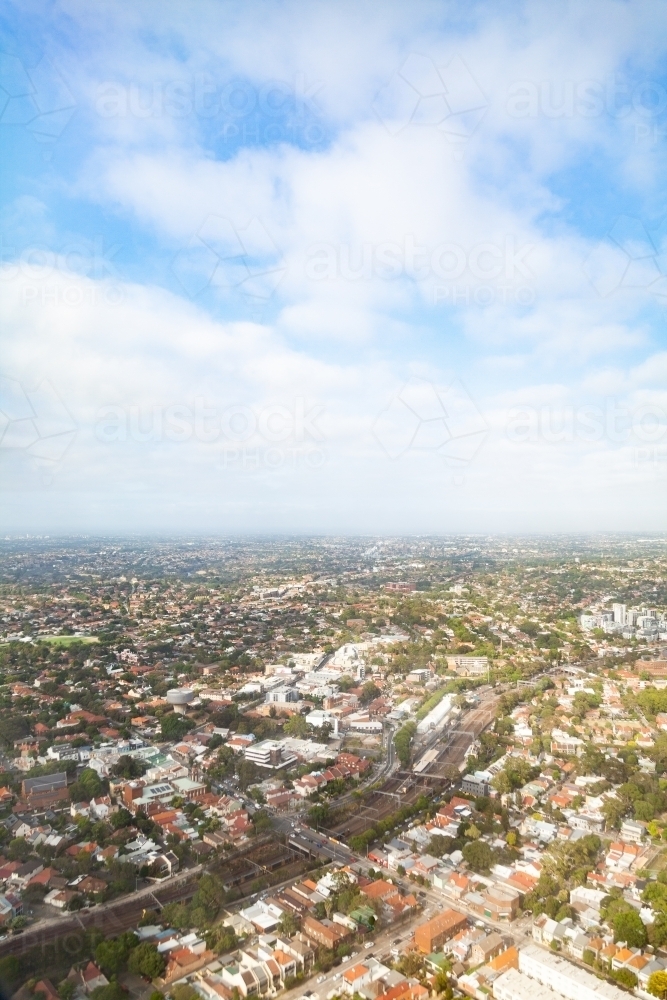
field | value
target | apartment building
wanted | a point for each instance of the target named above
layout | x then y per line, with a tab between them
437	931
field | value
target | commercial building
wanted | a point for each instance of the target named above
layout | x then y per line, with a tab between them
270	754
469	666
478	783
435	932
282	695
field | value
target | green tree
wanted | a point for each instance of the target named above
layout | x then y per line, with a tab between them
657	984
288	923
184	992
66	989
626	978
403	740
145	960
19	849
442	984
174	726
128	767
479	856
318	815
10	974
121	819
209	897
628	927
114	991
248	774
369	692
112	955
296	726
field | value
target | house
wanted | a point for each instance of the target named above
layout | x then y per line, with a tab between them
378	889
355	978
166	864
8	869
46	988
454	884
93	977
325	932
183	961
632	831
91	885
44	877
25	872
76	718
101	808
621	856
104	854
11	905
60	898
486	949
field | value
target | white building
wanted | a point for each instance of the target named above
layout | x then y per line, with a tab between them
270	754
558	975
469	666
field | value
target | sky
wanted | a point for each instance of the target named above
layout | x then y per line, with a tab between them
321	267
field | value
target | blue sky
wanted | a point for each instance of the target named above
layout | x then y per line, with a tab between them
321	267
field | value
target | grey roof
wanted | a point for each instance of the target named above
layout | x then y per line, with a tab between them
46	782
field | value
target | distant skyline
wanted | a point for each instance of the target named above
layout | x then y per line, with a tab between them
320	268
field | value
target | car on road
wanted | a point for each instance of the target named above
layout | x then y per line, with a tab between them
337	976
320	979
369	944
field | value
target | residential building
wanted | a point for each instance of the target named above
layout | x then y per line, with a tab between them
435	932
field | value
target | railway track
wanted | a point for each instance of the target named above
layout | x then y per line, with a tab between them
259	861
405	787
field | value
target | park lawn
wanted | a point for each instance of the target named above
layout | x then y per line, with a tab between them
67	640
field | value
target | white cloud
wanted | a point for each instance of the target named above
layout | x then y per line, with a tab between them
489	227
